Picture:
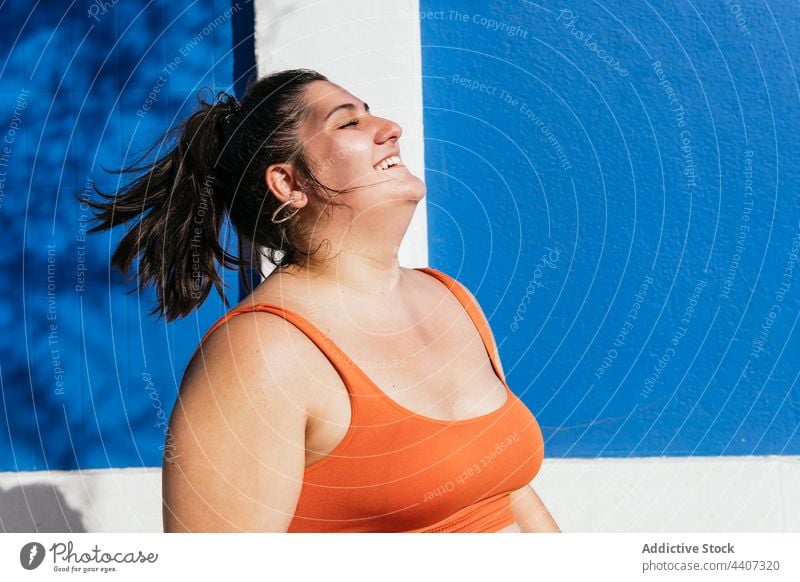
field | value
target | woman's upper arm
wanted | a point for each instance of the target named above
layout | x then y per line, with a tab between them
235	452
530	512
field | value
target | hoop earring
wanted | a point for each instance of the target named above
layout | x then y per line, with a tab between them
281	207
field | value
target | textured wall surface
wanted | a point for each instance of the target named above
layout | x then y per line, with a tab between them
88	377
617	183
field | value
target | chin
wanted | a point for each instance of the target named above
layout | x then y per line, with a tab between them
415	188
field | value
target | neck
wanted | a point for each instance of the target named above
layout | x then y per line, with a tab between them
374	274
364	265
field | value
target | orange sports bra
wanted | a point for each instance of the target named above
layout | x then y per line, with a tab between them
398	471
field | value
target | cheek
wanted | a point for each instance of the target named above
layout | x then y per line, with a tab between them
348	155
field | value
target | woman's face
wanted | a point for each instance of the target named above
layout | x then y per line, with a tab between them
348	145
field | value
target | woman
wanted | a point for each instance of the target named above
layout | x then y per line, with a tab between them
345	393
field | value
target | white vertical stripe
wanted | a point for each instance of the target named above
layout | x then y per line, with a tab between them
373	50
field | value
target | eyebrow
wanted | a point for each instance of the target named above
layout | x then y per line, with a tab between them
350	106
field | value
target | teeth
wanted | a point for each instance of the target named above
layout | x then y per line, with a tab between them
388	163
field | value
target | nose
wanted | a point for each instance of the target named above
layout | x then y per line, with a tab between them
387	130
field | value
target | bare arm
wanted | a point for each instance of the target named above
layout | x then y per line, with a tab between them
235	453
530	513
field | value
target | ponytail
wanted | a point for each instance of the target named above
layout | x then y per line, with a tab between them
180	205
216	168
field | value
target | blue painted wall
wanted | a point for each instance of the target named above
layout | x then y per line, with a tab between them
88	377
617	183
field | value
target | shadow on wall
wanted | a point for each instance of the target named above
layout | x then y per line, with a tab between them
87	376
37	508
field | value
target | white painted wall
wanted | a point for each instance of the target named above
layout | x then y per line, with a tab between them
726	494
375	53
673	494
107	500
370	48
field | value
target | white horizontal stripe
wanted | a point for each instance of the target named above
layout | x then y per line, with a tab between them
663	494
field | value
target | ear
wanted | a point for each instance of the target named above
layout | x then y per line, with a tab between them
281	180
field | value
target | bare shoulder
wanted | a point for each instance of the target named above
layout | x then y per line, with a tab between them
261	358
464	289
239	423
257	350
456	282
474	300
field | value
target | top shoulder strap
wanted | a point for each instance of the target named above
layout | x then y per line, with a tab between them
335	354
473	310
322	341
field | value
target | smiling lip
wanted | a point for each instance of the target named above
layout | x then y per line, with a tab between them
386	158
400	165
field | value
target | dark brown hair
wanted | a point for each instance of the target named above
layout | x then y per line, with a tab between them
218	164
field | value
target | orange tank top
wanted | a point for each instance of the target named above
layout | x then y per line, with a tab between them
398	471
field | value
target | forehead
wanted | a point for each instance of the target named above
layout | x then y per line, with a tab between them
324	96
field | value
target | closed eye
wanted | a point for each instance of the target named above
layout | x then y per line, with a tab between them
354	121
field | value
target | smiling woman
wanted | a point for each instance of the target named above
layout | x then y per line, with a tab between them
277	426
